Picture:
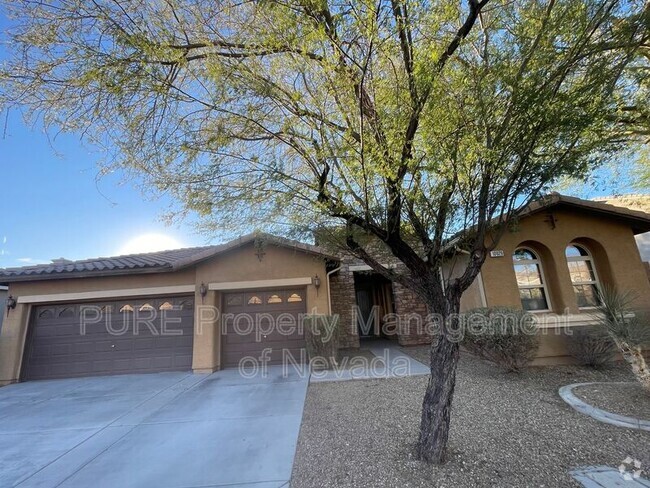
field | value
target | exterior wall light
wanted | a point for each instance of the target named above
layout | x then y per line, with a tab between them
316	282
11	303
203	291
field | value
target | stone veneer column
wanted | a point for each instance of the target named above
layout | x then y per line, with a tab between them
344	300
412	314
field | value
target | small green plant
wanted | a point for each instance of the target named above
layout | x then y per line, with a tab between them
322	340
630	331
591	347
503	335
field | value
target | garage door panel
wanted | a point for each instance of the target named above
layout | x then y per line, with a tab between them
260	319
61	350
57	348
143	344
173	341
237	340
183	360
83	348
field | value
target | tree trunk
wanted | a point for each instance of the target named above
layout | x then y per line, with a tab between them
436	406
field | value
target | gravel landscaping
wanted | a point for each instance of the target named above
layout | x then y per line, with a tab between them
628	399
507	430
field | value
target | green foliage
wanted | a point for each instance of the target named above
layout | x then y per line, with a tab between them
304	113
408	121
591	347
503	335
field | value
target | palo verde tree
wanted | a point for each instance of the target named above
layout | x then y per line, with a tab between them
409	121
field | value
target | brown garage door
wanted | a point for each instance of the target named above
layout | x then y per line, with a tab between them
126	336
261	319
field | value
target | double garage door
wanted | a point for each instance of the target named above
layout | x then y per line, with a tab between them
153	335
126	336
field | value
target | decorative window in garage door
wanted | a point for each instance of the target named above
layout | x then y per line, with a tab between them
294	297
48	313
235	300
187	305
66	312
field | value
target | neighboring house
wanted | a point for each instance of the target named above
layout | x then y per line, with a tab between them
3	304
270	277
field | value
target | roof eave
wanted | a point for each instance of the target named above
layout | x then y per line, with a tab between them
639	221
7	280
249	238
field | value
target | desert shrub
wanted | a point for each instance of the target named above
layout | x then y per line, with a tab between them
506	336
591	347
630	331
322	340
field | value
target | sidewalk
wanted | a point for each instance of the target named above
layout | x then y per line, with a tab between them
389	362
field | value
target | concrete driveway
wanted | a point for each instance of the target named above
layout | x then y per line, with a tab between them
168	430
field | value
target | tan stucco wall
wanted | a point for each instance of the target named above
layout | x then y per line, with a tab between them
613	248
611	243
473	297
241	264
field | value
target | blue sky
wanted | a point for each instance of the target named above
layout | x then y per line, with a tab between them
52	205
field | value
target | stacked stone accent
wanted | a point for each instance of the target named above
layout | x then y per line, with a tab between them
412	312
411	328
344	299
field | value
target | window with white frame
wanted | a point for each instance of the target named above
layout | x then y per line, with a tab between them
583	276
530	280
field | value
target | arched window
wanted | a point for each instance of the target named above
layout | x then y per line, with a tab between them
583	276
530	280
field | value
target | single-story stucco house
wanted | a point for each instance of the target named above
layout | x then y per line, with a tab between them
550	262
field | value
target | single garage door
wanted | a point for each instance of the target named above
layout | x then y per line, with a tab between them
126	336
263	319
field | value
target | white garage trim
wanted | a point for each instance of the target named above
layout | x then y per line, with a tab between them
94	295
241	285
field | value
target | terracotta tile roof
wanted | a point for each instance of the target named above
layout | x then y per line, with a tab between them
154	262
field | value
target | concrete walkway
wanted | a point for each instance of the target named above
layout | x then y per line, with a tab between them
389	362
566	392
168	430
606	477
